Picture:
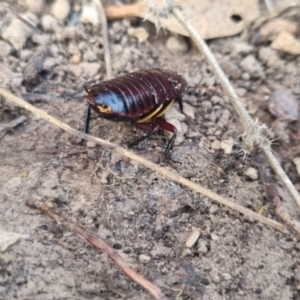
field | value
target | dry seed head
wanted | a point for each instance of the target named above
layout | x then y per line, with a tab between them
159	12
256	135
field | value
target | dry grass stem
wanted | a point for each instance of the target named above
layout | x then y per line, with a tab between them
94	240
6	7
107	58
243	114
164	172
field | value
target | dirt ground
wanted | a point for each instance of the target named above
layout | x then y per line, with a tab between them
144	216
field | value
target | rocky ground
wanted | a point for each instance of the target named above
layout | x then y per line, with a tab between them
147	218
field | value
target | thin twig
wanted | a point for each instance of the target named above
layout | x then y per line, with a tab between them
107	59
94	240
164	172
4	128
246	119
32	27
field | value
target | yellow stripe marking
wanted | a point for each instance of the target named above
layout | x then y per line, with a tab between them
149	115
165	109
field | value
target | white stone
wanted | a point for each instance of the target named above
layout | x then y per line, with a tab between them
192	238
61	9
89	14
251	173
144	259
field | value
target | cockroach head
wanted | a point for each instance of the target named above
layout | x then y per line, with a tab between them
178	82
97	102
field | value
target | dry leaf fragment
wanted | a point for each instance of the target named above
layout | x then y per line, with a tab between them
213	19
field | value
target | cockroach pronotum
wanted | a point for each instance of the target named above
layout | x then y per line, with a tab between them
142	97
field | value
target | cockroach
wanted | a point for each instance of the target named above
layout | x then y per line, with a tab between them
142	97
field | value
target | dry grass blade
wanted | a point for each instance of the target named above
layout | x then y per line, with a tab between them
107	59
98	243
20	18
243	114
164	172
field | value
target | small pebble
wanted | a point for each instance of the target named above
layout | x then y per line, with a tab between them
297	163
5	49
76	59
284	105
49	23
90	15
140	33
144	259
286	42
227	145
91	69
215	145
49	63
226	276
36	6
251	173
90	144
17	33
174	113
246	76
61	9
242	48
189	110
269	57
215	276
177	45
90	55
213	209
231	69
41	39
203	248
252	66
75	70
214	237
192	238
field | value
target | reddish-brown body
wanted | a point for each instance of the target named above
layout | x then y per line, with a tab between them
141	96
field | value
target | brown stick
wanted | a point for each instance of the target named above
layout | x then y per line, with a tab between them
120	12
164	172
100	244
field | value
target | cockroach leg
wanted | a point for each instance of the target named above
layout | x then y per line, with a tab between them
151	127
179	99
87	119
169	127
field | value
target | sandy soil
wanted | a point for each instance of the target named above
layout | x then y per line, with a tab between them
142	215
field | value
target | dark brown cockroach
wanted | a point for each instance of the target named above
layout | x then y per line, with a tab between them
141	97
